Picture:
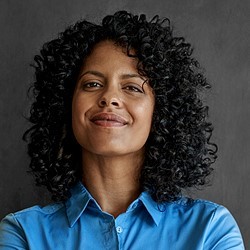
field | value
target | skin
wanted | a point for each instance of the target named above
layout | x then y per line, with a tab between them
112	111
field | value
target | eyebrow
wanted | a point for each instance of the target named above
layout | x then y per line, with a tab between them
99	74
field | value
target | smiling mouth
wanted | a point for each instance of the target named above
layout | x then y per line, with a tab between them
108	120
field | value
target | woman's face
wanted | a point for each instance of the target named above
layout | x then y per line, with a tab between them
112	105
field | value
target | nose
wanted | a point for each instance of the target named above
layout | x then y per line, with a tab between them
110	97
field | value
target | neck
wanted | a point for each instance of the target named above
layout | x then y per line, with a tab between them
112	181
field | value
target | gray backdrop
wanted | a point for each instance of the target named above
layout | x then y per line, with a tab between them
220	33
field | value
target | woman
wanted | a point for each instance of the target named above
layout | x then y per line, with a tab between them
119	130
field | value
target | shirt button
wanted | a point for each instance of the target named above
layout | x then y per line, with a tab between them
119	229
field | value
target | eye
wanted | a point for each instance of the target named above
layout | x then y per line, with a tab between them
134	88
90	86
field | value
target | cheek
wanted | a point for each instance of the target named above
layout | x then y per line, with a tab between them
79	107
148	110
144	115
75	111
78	114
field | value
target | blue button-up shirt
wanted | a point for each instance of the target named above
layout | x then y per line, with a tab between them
79	223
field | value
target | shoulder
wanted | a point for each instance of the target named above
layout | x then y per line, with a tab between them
37	212
202	211
186	204
15	227
49	209
215	224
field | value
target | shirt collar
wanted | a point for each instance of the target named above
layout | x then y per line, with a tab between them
77	203
80	198
154	209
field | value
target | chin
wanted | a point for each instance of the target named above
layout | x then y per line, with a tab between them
108	151
112	152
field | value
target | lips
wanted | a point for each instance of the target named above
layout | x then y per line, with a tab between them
108	120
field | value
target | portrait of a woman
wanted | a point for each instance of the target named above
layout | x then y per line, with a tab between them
118	132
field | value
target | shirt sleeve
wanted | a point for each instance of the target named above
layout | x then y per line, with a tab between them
11	234
223	232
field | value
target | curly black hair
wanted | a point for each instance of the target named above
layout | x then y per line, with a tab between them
178	152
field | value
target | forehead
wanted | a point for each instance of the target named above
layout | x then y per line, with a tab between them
108	54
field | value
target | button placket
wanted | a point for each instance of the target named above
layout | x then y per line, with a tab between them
119	229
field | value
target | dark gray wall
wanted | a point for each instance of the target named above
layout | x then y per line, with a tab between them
220	33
